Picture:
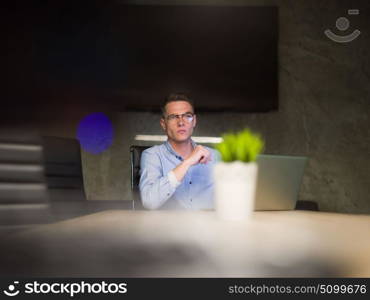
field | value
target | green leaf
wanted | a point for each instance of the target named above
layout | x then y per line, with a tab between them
243	146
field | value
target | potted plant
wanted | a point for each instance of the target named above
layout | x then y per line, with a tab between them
235	176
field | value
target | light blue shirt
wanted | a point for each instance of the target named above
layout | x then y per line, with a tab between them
159	188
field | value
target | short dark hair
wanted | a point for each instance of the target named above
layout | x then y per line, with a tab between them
179	96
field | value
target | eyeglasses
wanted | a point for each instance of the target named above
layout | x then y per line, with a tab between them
187	117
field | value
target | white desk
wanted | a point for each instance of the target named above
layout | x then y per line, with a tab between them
192	244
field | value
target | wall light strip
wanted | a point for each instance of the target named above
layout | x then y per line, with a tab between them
353	11
163	138
23	206
20	147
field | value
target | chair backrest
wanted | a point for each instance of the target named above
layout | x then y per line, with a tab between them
135	156
23	191
63	169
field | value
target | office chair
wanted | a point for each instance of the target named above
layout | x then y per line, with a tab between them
23	190
63	169
135	156
307	205
64	177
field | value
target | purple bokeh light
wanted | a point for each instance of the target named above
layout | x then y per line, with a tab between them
95	133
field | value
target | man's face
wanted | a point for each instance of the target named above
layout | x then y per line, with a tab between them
177	122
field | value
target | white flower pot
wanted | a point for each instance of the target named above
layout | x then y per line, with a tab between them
235	187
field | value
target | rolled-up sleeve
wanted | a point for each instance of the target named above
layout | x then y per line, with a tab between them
155	187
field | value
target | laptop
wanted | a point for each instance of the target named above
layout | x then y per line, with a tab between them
278	181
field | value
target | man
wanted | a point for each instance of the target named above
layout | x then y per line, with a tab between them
178	173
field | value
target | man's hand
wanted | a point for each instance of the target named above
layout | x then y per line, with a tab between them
199	155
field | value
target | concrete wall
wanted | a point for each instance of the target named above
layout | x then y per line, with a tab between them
324	111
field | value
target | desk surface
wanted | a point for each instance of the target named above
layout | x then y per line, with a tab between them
123	243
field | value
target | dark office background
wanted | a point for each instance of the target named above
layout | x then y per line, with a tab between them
323	94
133	55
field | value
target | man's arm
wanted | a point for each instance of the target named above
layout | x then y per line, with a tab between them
199	155
155	187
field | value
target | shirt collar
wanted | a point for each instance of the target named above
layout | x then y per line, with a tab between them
172	151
